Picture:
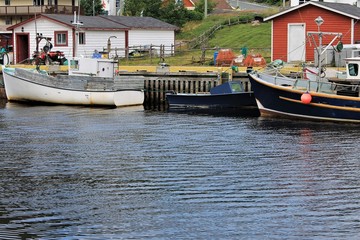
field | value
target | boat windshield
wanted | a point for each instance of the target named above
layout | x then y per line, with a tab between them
236	87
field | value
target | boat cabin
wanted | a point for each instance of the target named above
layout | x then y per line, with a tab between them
98	67
228	87
348	84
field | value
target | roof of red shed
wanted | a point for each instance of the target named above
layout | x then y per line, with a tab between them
188	3
339	8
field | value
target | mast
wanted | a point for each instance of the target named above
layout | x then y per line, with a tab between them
319	48
319	21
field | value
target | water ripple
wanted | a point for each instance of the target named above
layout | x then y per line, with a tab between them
80	173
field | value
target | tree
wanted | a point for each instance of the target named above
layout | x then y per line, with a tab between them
153	8
200	6
175	14
270	2
168	11
133	7
148	8
91	7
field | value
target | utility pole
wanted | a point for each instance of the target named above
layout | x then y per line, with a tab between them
205	10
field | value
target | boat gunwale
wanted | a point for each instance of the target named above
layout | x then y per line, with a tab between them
67	89
255	75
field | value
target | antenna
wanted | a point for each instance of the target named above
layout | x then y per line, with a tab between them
76	21
35	25
79	12
77	24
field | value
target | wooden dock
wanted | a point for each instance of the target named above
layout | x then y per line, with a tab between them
156	85
159	81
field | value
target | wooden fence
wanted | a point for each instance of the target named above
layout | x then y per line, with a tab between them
159	53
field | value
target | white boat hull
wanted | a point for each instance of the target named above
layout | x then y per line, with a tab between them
19	89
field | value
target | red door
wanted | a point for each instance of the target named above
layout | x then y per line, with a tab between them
22	47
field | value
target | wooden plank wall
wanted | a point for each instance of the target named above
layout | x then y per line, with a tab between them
156	88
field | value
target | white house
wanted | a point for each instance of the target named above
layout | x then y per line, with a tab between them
146	31
113	7
94	33
294	3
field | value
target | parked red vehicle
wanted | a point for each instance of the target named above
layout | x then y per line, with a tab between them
46	56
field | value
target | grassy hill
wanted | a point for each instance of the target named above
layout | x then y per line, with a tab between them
256	38
243	35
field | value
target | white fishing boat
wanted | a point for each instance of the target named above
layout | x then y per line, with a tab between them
89	82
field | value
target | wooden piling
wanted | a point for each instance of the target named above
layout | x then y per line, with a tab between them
158	84
2	93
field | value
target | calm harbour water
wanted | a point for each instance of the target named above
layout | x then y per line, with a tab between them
97	173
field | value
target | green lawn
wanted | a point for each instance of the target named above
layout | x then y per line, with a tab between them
243	35
255	38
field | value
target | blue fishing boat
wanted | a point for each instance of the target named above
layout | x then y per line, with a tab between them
229	96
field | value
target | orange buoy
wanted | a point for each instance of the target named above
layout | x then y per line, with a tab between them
306	98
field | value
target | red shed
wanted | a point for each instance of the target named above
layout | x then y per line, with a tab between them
289	38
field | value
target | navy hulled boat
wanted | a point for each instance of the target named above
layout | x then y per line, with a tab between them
229	96
321	99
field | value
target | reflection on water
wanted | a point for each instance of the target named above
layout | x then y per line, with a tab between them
97	173
217	112
3	103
